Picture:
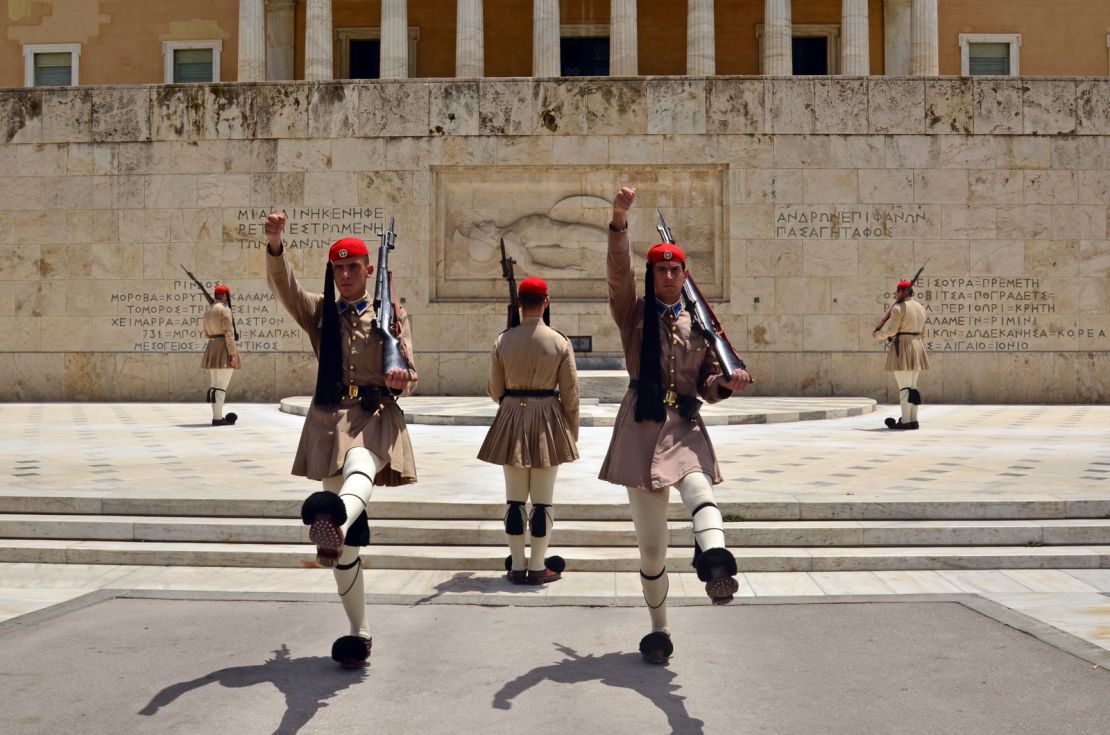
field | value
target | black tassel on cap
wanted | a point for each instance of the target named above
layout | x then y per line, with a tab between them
330	373
649	396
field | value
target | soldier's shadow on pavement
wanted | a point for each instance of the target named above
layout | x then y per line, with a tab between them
307	683
621	670
467	582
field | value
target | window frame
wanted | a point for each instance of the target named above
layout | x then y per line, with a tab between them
1013	39
344	36
829	31
168	47
586	30
31	49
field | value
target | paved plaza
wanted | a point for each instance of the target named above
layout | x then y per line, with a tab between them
185	647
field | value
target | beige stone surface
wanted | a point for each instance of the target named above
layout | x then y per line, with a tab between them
800	201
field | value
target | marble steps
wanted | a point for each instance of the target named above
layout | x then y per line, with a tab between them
591	559
489	532
842	508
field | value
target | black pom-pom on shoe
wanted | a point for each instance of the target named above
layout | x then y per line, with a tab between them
323	502
351	651
715	558
556	564
656	648
231	417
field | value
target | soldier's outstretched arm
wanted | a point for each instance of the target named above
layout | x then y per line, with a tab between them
300	304
621	282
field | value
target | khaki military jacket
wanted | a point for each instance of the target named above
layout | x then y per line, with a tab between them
647	454
221	338
532	431
906	331
330	432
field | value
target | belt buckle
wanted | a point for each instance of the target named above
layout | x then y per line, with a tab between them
670	399
352	391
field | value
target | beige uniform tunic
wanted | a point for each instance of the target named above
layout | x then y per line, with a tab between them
221	338
648	454
532	431
330	432
906	351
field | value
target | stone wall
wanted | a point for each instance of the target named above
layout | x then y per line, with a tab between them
802	200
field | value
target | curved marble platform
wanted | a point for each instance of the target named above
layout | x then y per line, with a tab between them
479	411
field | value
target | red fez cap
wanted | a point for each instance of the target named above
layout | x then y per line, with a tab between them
905	284
348	247
533	285
665	251
222	288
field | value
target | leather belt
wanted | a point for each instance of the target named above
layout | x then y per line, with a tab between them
367	391
898	342
687	406
538	393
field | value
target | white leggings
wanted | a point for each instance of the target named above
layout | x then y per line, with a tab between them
219	379
537	484
649	515
906	379
354	487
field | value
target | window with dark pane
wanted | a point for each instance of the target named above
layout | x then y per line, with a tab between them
811	55
366	54
192	65
54	69
988	58
584	57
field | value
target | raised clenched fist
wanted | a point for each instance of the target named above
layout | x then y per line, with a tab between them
275	225
624	199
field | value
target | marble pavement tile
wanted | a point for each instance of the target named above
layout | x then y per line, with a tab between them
783	584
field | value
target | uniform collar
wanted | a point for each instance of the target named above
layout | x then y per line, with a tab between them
359	306
675	309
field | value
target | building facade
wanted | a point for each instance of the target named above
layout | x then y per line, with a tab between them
802	199
133	42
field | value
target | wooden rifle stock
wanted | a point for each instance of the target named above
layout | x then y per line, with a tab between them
385	317
704	318
513	316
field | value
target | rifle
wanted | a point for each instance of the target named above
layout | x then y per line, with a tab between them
385	317
507	263
703	317
913	282
211	300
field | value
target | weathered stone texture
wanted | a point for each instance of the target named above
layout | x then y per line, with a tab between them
800	200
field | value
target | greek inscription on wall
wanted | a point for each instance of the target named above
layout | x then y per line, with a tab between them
998	314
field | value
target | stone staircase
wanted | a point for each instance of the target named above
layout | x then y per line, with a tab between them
859	535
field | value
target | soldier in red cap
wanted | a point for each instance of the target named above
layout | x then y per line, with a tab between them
533	378
659	440
354	436
905	355
221	356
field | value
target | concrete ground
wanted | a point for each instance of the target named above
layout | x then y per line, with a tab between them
136	665
1015	650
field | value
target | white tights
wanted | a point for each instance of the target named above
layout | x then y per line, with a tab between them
354	487
219	379
538	485
907	379
649	515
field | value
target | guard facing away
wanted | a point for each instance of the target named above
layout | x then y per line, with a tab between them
221	356
659	439
533	378
905	356
354	436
